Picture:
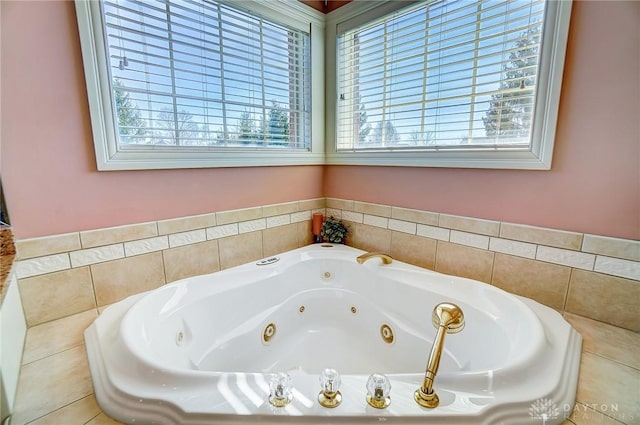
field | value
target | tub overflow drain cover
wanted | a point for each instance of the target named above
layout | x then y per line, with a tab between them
267	261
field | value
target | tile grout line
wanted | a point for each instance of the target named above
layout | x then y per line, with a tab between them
218	251
93	290
81	345
435	259
99	413
493	268
619	363
566	293
62	407
164	267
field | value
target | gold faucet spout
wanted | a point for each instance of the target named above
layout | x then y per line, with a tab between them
447	318
386	259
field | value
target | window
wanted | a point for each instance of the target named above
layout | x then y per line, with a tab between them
449	83
198	83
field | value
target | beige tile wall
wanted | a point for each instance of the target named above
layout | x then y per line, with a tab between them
62	275
589	275
592	276
66	281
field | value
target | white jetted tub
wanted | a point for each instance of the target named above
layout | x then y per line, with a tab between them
203	350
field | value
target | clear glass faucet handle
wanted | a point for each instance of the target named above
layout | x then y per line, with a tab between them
330	380
378	386
280	389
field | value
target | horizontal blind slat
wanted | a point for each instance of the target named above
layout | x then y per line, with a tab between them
443	68
185	67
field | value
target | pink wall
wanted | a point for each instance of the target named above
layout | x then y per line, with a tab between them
594	184
48	163
52	186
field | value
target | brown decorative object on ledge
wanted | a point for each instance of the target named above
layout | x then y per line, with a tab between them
7	246
316	227
7	255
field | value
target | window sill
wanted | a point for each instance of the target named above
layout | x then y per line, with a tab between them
165	160
519	160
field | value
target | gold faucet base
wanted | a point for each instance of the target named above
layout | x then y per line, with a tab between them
429	401
378	403
330	400
280	401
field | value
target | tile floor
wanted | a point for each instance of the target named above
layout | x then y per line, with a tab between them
55	385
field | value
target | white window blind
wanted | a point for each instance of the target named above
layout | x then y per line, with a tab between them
443	75
204	75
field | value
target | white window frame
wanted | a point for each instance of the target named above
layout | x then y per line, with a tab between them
104	122
556	29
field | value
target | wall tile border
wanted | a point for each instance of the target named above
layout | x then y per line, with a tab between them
612	256
618	267
100	250
541	236
611	247
252	225
433	232
414	216
605	256
47	254
187	238
85	257
470	239
377	221
185	224
112	235
403	226
470	225
222	231
479	249
582	251
42	265
144	246
38	247
516	248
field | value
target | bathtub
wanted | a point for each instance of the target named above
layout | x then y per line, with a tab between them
200	351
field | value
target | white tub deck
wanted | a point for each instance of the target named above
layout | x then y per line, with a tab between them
193	352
